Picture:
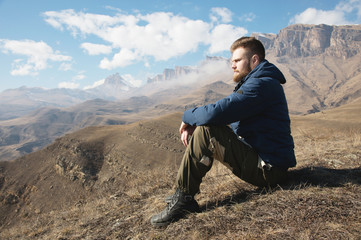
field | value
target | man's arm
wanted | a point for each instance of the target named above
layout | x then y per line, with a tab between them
232	108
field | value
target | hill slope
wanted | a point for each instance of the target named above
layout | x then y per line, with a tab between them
106	182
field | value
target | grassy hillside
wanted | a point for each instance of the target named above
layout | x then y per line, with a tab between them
106	183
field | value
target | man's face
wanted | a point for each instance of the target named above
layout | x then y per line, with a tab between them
241	64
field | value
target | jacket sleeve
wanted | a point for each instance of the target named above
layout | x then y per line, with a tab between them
244	103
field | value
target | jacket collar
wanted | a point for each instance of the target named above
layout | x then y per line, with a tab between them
239	84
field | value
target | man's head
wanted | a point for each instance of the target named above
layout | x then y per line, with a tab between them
247	53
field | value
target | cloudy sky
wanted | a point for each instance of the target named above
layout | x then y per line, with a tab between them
78	43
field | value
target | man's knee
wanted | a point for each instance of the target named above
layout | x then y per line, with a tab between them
202	129
202	133
211	137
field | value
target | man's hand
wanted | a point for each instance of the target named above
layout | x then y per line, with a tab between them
186	132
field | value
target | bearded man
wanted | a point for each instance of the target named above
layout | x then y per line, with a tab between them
248	131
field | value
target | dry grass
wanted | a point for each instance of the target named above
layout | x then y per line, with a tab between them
322	200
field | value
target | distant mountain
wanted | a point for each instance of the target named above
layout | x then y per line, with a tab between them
21	101
29	133
112	88
169	74
181	71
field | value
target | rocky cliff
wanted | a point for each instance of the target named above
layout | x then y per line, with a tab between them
169	74
301	40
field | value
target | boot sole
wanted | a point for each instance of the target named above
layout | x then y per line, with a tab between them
160	224
175	219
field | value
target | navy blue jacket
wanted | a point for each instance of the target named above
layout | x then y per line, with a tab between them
257	111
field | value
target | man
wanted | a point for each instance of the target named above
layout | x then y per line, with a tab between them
258	147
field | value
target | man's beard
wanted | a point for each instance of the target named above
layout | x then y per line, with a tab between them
238	77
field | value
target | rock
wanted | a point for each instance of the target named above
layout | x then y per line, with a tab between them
301	40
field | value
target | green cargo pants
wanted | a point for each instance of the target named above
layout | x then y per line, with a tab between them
210	143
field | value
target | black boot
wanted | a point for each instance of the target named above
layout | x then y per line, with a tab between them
179	205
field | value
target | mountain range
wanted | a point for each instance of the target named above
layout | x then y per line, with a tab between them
322	65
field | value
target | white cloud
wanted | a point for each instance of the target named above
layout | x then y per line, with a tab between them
95	84
96	49
249	17
65	66
169	36
160	35
223	36
338	16
223	15
314	16
37	55
351	6
71	85
79	76
84	23
124	58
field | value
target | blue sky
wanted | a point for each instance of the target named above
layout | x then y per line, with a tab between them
78	43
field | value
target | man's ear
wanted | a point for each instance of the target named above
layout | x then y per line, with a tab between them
254	61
